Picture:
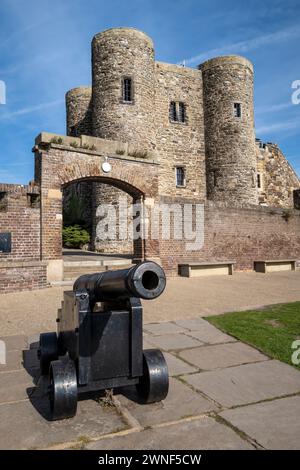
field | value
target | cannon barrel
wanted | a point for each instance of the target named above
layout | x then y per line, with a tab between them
145	280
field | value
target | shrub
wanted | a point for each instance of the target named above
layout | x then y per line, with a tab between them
74	144
57	140
75	236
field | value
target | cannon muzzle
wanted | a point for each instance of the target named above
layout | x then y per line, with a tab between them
146	280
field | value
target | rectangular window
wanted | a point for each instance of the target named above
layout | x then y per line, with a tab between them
127	90
177	111
237	110
180	176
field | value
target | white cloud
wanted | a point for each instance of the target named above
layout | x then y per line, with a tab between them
272	108
244	46
278	127
30	109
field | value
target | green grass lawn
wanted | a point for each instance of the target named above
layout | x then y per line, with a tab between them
272	330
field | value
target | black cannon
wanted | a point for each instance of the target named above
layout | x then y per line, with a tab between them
99	339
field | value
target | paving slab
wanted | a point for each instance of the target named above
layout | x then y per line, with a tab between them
205	332
176	366
222	355
193	324
163	328
181	402
247	383
274	424
23	425
201	434
173	342
14	386
15	342
13	361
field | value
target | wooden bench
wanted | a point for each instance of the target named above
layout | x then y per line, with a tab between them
269	266
203	268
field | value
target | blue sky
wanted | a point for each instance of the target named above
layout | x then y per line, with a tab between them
45	50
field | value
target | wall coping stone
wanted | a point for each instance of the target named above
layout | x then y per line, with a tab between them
104	147
22	263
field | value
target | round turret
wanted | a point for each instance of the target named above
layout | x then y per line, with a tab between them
229	129
123	87
79	111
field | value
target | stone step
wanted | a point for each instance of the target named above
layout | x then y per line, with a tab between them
73	272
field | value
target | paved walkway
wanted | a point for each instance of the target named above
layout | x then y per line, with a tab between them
29	312
223	395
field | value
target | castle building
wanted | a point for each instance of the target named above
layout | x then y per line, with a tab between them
199	123
171	134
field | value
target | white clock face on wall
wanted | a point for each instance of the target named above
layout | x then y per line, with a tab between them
106	167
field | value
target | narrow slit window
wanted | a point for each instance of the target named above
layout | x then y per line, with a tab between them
214	178
180	176
127	90
173	111
258	181
237	107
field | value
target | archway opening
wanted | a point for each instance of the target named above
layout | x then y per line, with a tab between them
100	219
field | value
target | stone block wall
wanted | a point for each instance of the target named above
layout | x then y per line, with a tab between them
180	143
79	111
106	195
229	138
278	179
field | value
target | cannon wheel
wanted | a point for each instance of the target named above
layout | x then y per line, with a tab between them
154	384
48	351
63	389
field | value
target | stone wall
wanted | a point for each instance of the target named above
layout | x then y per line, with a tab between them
180	143
120	53
21	269
278	179
229	139
238	234
79	111
104	194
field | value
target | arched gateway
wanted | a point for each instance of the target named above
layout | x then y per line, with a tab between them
60	161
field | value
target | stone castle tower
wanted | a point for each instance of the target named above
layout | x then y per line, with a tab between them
198	122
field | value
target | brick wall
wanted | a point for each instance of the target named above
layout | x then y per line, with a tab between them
240	234
59	165
21	269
